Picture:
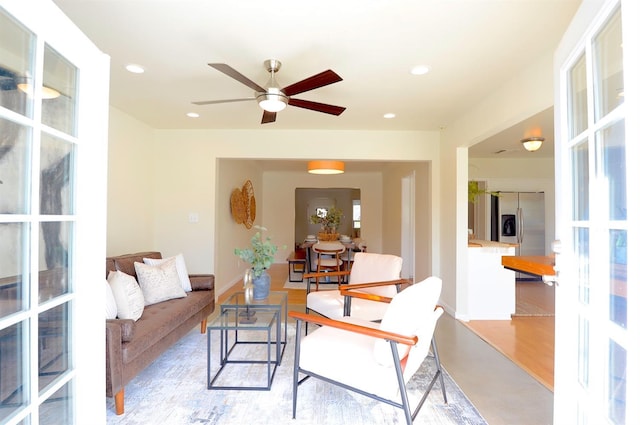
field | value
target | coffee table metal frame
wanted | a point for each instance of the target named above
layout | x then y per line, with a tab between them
268	313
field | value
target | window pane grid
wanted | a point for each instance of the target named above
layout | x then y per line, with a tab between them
37	225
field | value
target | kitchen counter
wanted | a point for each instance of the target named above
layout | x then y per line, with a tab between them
491	291
538	265
489	244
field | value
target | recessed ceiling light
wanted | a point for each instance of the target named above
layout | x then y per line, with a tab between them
193	114
420	70
389	115
136	69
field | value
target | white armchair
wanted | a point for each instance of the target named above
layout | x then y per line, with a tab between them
367	270
382	357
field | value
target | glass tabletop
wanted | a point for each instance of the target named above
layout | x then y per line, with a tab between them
275	299
228	320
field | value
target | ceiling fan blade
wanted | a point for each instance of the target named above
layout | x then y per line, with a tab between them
211	102
226	69
315	106
268	117
319	80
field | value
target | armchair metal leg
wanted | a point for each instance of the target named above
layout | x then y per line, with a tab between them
401	384
434	348
296	367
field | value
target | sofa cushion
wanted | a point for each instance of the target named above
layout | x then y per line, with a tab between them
159	320
128	295
181	267
159	283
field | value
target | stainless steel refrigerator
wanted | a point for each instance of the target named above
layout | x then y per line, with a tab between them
518	217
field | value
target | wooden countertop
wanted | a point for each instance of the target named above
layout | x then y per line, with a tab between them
535	264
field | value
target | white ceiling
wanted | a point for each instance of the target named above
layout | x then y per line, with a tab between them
472	47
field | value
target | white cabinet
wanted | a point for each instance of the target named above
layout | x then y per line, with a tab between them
492	288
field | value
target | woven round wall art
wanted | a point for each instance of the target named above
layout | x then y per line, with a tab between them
250	204
238	206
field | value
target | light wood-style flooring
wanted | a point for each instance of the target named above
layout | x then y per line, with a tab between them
528	341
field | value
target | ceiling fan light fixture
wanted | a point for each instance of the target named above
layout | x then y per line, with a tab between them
272	100
325	167
532	144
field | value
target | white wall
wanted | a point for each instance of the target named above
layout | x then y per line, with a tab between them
392	198
130	190
232	174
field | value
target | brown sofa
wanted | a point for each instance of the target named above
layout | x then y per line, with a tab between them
132	346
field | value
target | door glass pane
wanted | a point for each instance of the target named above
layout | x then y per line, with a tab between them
618	277
14	359
608	70
54	260
583	351
57	410
617	389
14	289
578	97
16	66
59	93
53	344
15	160
581	244
580	183
57	177
610	141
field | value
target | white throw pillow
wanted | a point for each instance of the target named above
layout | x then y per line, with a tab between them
159	283
127	293
181	266
111	308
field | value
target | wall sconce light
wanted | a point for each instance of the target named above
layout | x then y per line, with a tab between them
532	144
325	167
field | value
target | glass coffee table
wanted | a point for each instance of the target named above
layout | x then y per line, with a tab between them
240	326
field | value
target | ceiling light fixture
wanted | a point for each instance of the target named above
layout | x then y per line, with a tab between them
420	70
389	115
273	100
325	167
193	114
136	69
532	144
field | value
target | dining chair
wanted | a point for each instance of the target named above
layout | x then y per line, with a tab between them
374	359
328	258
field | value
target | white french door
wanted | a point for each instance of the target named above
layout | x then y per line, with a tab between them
597	298
53	138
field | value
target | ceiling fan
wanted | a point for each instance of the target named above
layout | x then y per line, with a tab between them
272	98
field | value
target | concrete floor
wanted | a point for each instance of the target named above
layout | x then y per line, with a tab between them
502	392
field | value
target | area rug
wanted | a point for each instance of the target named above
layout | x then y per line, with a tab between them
303	285
173	390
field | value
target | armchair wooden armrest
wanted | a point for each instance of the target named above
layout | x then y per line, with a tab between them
353	291
364	330
316	275
323	274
